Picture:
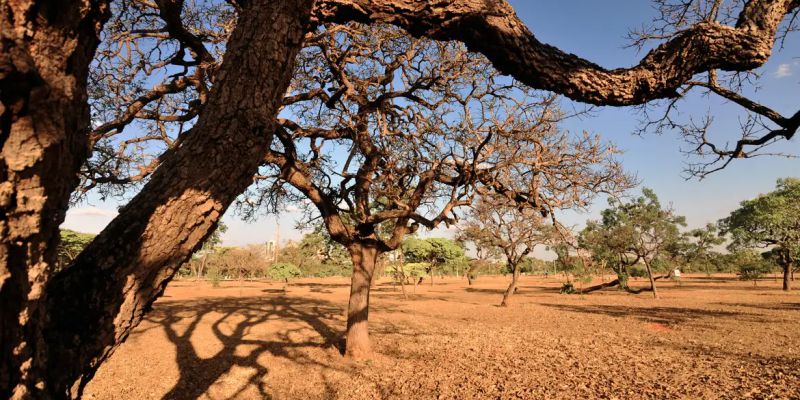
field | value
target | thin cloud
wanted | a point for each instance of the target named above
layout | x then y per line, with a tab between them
783	71
91	211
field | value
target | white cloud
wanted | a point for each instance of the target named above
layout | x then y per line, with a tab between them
91	211
783	71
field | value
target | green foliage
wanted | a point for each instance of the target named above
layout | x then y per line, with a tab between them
769	220
214	276
283	271
638	231
415	270
753	268
440	254
71	244
318	255
699	253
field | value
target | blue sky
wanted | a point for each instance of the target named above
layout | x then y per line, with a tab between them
587	28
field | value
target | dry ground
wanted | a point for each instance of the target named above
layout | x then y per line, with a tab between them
709	338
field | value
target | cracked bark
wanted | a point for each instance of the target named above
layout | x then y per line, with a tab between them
45	51
492	27
92	306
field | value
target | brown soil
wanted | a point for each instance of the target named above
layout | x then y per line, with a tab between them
708	338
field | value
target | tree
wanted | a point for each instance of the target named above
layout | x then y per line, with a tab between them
283	271
208	247
484	252
89	308
633	232
497	222
71	244
770	220
48	48
45	52
436	253
751	266
317	254
703	241
423	127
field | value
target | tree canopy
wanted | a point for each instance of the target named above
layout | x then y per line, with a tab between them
770	220
640	230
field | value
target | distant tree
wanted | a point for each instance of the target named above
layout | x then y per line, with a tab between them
316	254
199	261
436	253
71	244
484	252
751	266
700	246
772	221
283	271
497	222
630	233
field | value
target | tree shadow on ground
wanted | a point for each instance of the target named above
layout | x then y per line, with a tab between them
770	306
522	289
232	322
660	315
322	285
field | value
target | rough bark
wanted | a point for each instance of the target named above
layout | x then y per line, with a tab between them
787	272
364	259
95	303
45	51
512	287
493	28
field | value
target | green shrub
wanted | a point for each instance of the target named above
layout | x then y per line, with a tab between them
568	288
283	271
637	272
214	276
753	271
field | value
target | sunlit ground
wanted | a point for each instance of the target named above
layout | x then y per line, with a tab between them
707	338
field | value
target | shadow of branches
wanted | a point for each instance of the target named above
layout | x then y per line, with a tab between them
238	324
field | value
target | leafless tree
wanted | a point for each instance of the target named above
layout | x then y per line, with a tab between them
383	133
496	222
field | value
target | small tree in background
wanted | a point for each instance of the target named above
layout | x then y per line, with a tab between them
495	221
483	251
436	253
751	266
702	241
71	244
772	221
630	233
199	261
283	271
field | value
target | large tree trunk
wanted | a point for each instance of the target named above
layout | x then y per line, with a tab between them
45	51
95	303
512	287
787	271
364	259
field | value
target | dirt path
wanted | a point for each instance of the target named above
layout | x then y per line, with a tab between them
709	338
